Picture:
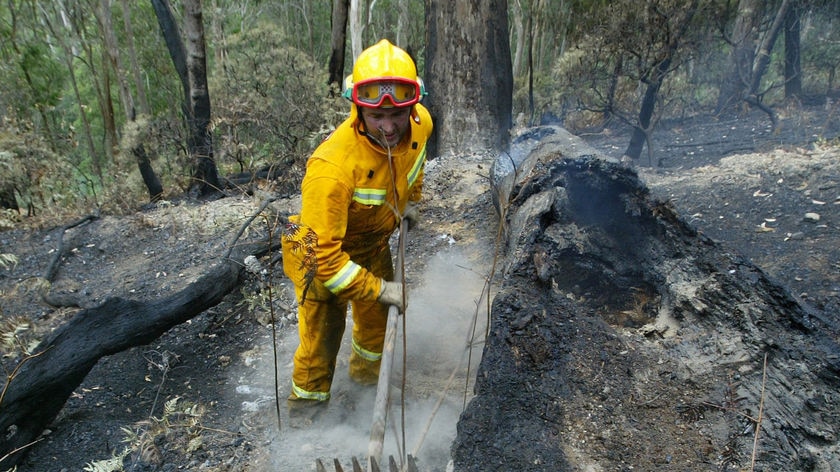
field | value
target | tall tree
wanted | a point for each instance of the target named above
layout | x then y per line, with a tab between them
138	150
793	57
191	64
673	25
469	74
338	41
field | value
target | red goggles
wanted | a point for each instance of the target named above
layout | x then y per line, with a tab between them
400	92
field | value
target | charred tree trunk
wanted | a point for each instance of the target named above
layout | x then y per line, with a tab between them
339	43
615	317
654	79
468	57
793	57
41	384
206	177
150	177
190	63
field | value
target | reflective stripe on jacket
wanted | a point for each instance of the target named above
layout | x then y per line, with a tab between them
348	199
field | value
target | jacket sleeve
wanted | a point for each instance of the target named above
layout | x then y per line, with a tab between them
423	126
326	198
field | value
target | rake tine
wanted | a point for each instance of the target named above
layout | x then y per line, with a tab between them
374	467
392	464
337	466
412	464
356	466
319	466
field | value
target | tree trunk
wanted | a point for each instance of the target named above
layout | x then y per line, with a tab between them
518	33
610	306
190	63
468	69
641	132
357	8
150	178
762	59
143	102
793	58
42	383
736	78
206	177
172	37
338	42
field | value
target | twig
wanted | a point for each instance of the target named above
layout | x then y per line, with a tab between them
760	414
12	376
18	449
247	223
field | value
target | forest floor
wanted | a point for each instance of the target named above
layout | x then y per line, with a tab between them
202	396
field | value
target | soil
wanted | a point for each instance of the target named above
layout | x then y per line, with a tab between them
202	396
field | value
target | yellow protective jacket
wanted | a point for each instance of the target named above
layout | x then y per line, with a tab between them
348	198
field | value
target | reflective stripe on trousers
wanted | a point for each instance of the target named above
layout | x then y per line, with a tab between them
321	325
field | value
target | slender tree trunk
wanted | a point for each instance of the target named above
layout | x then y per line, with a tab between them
143	102
69	59
736	78
338	41
206	177
762	59
357	7
190	63
656	76
150	178
793	58
12	34
518	34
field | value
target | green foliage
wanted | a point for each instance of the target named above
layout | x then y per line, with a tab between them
42	182
268	101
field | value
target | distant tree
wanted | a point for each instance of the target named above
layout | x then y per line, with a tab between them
469	75
752	41
338	41
672	27
190	62
138	150
793	55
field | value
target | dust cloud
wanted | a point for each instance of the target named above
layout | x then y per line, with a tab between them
442	307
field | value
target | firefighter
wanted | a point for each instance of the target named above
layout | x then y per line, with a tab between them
359	183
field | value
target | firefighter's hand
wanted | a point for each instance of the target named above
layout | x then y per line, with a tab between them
392	294
411	215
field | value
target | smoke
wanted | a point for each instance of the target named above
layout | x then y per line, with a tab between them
441	309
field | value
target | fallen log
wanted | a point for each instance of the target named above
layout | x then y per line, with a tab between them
623	336
37	390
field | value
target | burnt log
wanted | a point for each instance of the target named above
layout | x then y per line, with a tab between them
621	335
41	384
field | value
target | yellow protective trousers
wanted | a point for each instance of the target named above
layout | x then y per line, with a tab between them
321	324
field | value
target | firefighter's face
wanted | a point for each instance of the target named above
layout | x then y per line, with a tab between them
388	125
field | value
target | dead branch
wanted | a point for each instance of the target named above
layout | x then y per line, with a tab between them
43	384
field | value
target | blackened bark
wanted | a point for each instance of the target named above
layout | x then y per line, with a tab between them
190	63
150	178
172	37
641	132
42	383
338	41
469	75
206	177
793	58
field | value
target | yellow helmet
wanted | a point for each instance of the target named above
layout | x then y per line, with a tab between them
384	71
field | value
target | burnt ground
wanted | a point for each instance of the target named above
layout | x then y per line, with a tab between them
201	396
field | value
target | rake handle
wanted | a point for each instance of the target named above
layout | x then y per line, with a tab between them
383	386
